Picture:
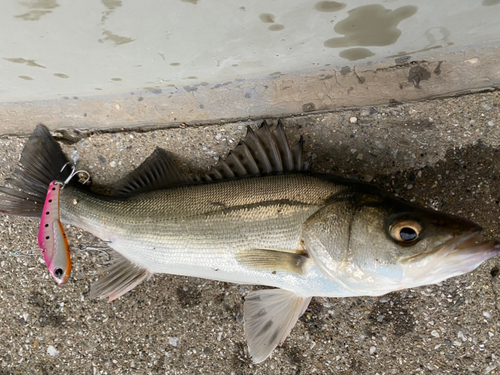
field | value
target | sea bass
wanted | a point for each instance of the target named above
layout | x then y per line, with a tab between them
258	217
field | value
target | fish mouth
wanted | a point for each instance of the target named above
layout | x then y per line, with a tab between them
457	256
467	247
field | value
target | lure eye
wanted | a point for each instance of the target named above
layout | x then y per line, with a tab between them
58	272
406	231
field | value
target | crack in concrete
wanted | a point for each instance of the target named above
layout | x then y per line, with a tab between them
336	79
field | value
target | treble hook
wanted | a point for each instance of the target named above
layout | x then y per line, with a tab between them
73	173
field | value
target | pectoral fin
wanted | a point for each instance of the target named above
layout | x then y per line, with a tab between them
269	316
272	260
121	277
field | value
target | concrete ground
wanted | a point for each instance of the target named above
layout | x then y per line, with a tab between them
440	153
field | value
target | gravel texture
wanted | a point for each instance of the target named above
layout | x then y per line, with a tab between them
440	153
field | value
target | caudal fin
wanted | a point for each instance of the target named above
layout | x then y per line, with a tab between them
41	162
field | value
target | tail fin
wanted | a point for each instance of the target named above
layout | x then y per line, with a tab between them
41	162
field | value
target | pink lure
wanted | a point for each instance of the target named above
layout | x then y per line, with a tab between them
52	238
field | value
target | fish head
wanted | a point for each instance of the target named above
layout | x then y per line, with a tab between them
373	244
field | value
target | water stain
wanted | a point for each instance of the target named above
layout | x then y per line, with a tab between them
370	25
488	3
267	17
27	78
329	6
175	64
192	77
275	74
345	70
418	74
243	8
438	37
190	1
112	4
404	53
353	54
162	56
61	75
308	107
116	79
276	27
19	60
117	39
435	34
38	9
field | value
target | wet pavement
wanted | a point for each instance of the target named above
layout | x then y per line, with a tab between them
440	153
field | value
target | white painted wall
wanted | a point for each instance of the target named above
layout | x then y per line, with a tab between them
53	49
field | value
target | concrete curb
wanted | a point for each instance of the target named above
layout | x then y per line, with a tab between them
401	80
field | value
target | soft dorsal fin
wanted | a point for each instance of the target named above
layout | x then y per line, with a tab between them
156	172
260	153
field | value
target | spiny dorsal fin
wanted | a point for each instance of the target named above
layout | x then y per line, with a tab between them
156	172
260	153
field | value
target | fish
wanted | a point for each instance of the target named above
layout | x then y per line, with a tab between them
52	237
260	216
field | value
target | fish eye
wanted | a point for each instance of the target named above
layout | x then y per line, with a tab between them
58	272
405	231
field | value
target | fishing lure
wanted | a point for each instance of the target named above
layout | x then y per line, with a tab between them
51	236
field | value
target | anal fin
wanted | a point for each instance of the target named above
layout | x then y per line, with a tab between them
121	277
269	316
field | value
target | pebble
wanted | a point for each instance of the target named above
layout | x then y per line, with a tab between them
435	333
52	351
174	341
491	123
461	336
112	164
353	120
486	314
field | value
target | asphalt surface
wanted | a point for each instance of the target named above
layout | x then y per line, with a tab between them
440	153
